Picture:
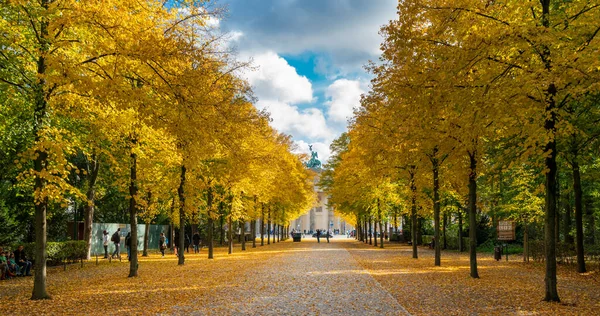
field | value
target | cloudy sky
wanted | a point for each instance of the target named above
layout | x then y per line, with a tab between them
309	56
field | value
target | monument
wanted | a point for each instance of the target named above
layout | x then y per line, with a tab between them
320	216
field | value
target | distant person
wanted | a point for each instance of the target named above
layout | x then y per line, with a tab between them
327	235
105	243
432	243
196	241
162	243
128	245
116	239
22	261
318	236
186	243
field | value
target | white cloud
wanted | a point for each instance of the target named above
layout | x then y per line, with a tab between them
321	148
343	96
308	123
276	80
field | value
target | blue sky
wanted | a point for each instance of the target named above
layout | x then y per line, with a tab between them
309	56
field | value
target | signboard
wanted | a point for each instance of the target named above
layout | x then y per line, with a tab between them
506	230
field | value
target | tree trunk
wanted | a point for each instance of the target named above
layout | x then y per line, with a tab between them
551	290
88	210
578	216
375	231
370	231
221	225
526	242
133	190
253	232
436	206
262	226
566	216
181	193
413	211
230	235
269	226
40	164
473	214
243	234
461	247
146	239
210	223
444	225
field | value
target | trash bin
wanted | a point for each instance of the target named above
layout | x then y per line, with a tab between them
297	237
497	253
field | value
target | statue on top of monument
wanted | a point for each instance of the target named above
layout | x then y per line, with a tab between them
313	163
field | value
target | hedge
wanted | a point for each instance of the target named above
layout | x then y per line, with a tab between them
73	250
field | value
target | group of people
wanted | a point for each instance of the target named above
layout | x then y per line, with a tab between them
320	233
163	242
116	240
13	264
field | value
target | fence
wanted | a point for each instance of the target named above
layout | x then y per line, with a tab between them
154	235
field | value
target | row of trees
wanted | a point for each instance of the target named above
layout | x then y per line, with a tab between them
136	100
473	95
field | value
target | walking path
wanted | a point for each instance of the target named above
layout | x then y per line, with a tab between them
306	278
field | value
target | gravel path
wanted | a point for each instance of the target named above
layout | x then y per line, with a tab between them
302	279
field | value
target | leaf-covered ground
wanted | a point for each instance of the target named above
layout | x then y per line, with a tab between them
343	277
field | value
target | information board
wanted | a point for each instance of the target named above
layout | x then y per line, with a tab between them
506	230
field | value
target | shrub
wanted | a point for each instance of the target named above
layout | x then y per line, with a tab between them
58	252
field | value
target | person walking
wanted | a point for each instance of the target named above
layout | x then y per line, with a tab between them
105	243
162	243
318	236
196	241
186	243
327	235
128	245
116	239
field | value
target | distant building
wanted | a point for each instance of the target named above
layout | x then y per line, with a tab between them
320	216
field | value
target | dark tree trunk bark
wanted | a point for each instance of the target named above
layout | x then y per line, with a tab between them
133	190
566	206
40	164
262	226
230	234
578	216
473	214
243	234
375	231
253	229
181	193
526	242
210	223
88	210
413	211
436	205
269	226
221	226
461	247
146	239
444	225
551	290
370	231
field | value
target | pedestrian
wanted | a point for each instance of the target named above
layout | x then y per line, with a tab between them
327	236
318	236
162	243
105	243
128	245
196	241
186	243
116	239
